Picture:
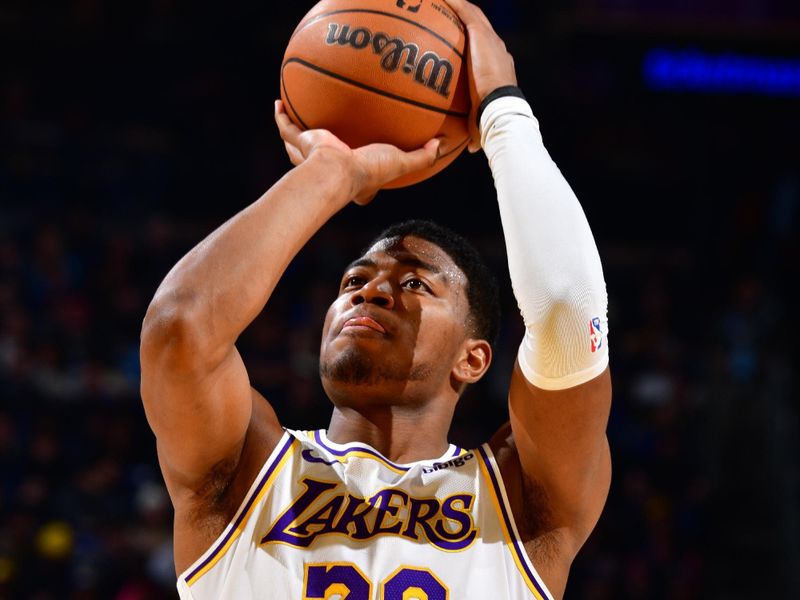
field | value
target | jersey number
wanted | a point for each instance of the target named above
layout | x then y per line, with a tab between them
344	581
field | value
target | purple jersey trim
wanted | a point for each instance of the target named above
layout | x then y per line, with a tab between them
523	558
243	512
371	452
364	449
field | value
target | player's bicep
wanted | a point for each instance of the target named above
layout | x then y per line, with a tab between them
561	440
199	415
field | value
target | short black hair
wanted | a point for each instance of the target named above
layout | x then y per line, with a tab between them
482	291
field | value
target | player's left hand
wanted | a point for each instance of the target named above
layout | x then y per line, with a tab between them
490	64
371	167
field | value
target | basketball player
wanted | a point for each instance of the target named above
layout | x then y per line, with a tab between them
381	506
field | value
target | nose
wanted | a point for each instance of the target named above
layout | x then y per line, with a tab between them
376	291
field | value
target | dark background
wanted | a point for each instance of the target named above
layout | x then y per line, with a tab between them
129	130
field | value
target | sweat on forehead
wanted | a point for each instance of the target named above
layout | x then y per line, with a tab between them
411	248
413	252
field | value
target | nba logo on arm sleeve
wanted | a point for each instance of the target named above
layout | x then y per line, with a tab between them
595	334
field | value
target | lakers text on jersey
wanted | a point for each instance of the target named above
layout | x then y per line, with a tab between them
340	521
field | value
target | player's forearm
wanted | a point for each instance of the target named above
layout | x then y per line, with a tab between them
213	293
553	260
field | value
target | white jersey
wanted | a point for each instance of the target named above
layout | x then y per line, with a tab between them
335	521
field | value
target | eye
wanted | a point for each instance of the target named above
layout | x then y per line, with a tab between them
416	284
352	281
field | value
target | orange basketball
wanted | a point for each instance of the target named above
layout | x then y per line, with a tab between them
387	71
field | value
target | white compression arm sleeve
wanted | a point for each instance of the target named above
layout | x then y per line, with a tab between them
552	257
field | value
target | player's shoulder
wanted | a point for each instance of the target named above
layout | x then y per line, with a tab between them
503	445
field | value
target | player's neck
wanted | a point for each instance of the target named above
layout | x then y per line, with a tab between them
401	436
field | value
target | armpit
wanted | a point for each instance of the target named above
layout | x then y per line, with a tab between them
212	499
529	501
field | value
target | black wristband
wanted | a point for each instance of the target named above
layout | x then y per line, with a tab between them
506	90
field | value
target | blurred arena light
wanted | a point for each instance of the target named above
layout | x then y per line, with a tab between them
727	73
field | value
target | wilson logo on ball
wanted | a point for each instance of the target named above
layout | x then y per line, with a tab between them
428	69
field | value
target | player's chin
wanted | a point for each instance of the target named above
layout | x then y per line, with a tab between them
360	344
367	343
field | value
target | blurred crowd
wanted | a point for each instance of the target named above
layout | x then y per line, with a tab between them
103	188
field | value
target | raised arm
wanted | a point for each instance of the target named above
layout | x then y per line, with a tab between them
195	388
560	392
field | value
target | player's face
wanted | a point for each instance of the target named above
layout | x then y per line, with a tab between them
398	323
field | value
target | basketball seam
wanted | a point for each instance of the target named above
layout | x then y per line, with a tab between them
289	102
369	88
377	12
458	147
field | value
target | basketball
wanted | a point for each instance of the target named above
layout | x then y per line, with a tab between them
389	71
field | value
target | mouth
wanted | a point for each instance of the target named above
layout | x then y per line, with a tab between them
363	323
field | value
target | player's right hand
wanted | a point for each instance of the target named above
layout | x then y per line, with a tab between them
489	62
369	168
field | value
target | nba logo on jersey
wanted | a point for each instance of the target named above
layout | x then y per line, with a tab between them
595	334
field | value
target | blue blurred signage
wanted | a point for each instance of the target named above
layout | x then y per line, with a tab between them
729	73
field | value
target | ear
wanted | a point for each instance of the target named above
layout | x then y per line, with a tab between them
473	361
